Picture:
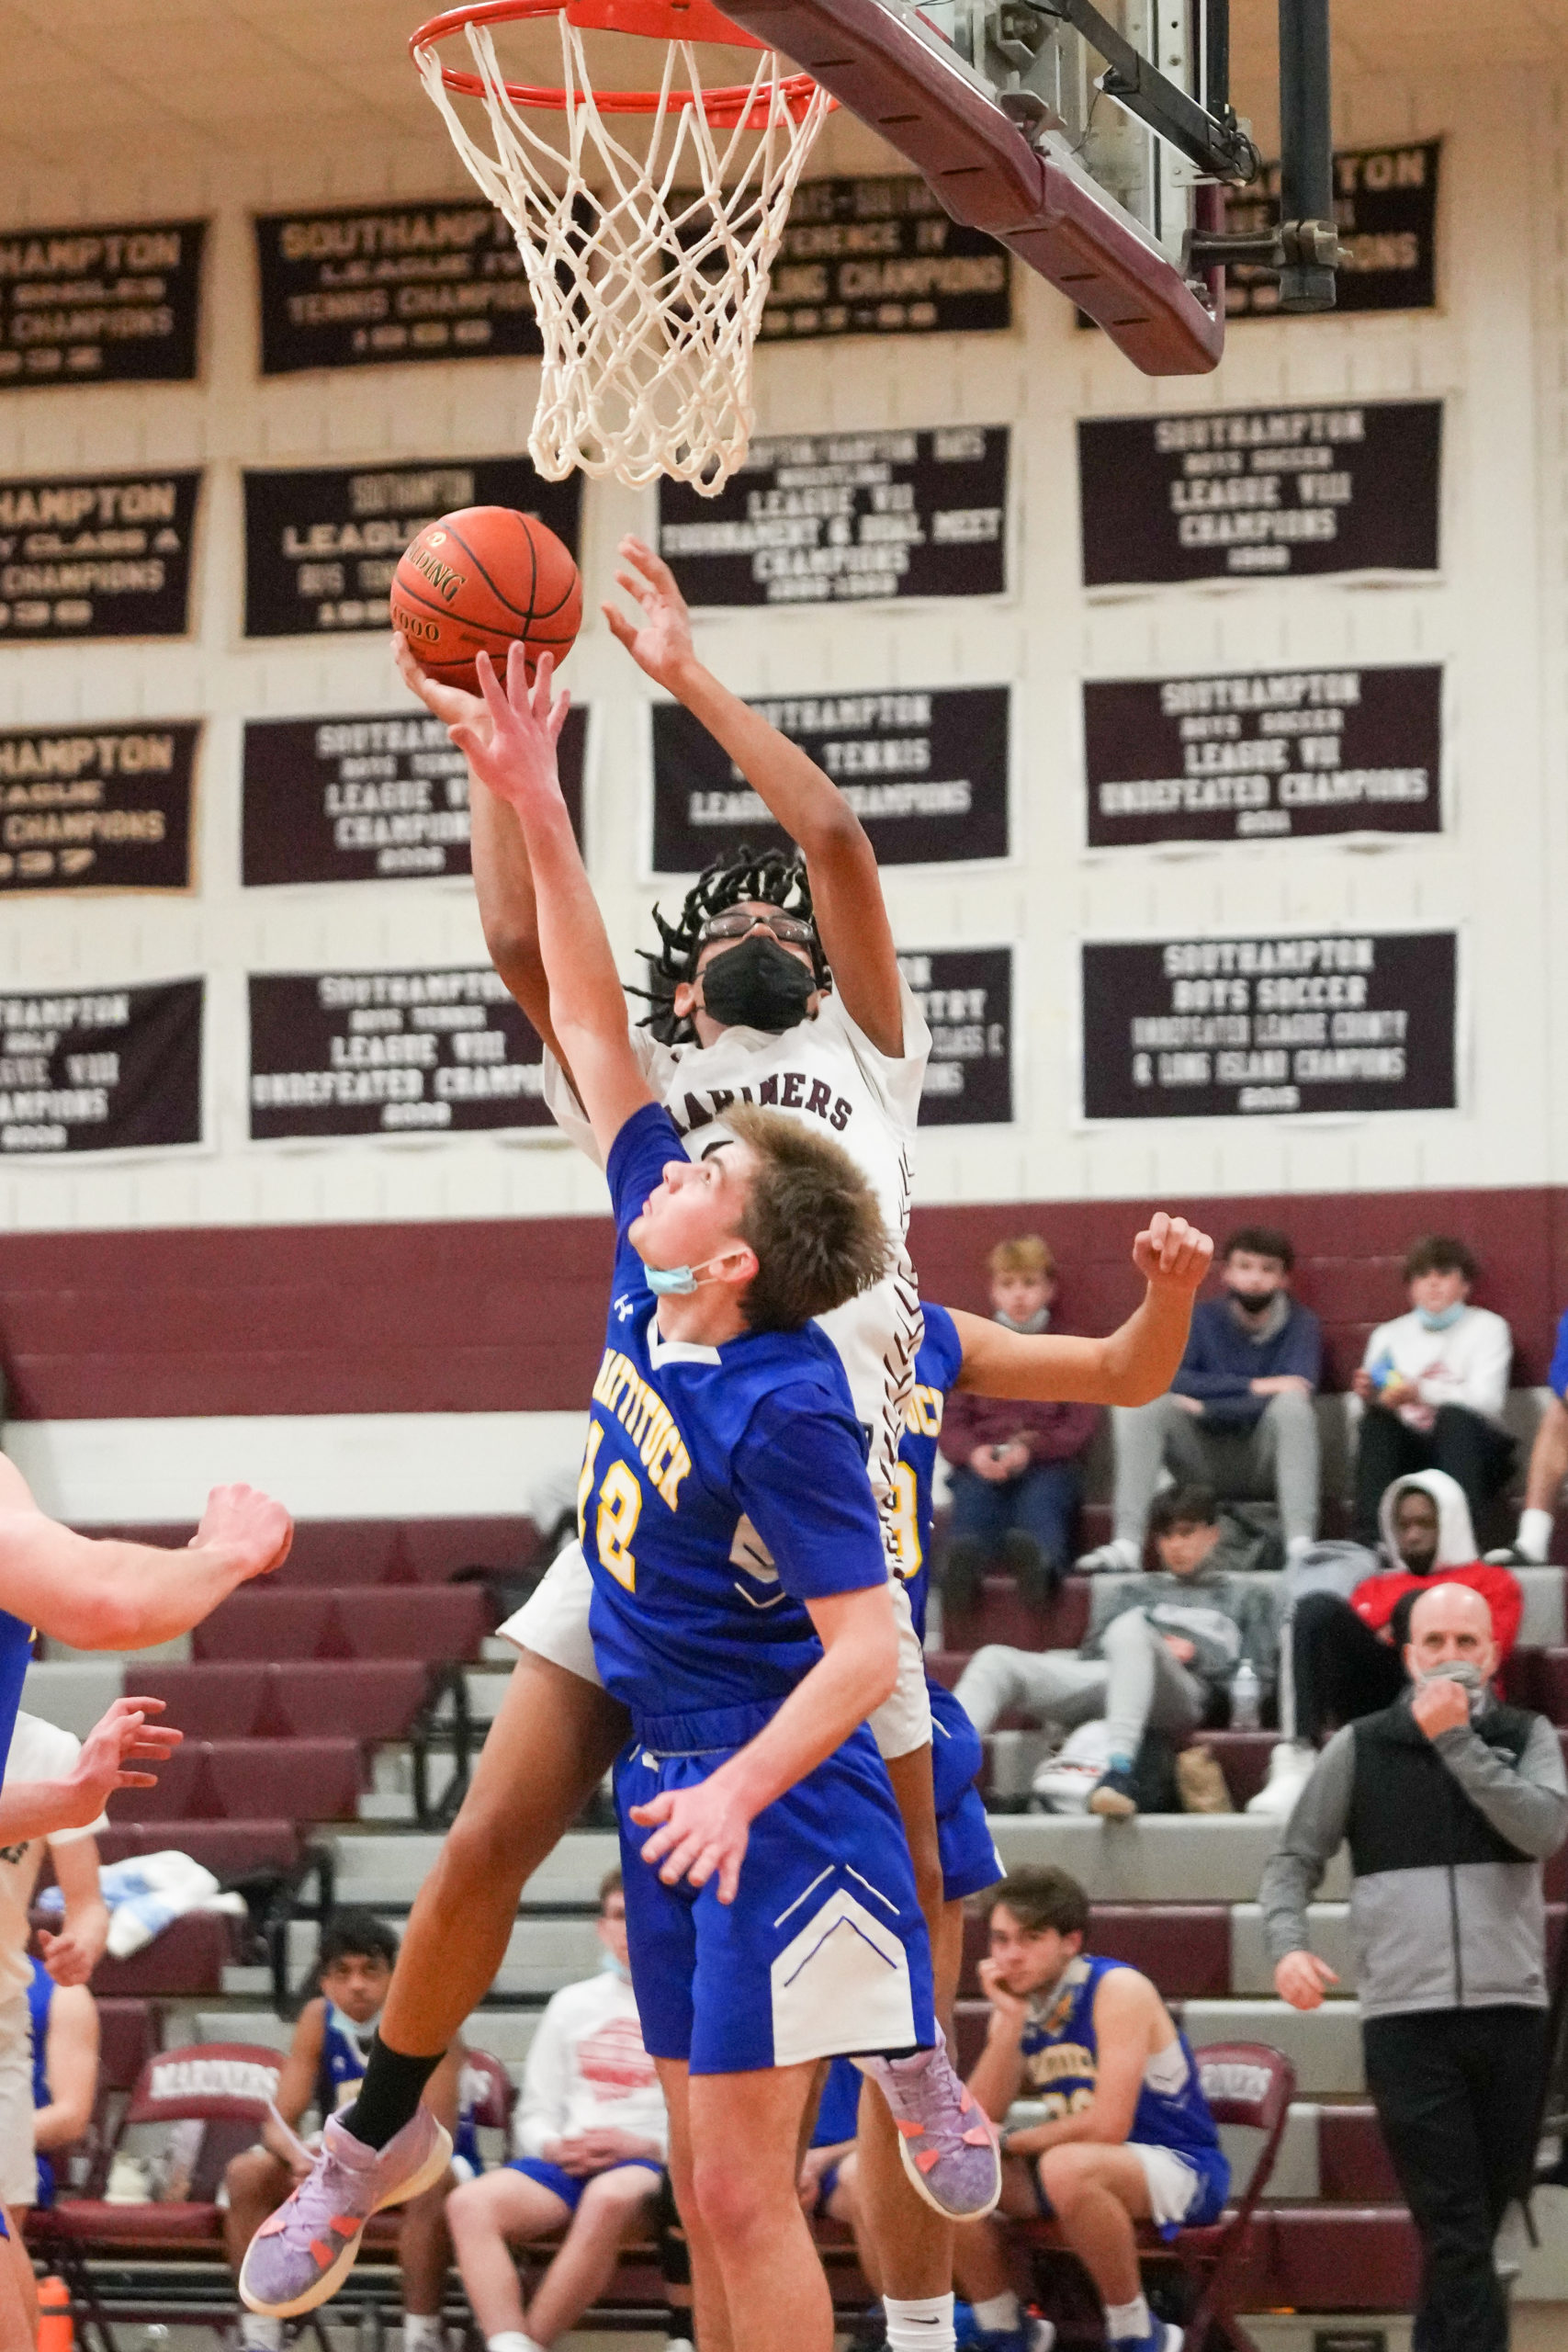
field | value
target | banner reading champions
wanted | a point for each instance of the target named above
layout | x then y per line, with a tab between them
97	807
103	305
100	1069
96	555
373	283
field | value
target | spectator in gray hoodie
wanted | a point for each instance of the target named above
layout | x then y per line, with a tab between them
1160	1645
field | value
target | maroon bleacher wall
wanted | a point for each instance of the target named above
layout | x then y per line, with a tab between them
508	1315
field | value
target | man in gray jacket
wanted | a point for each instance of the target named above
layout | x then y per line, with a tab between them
1451	1801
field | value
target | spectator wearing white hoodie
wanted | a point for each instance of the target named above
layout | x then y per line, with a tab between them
1434	1383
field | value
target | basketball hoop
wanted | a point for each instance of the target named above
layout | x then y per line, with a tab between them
647	278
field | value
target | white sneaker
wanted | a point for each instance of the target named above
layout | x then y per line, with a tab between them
1117	1558
1290	1768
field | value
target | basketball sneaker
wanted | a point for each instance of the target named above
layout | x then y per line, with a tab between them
301	2254
946	2139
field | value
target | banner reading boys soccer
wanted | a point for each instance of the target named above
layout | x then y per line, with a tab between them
829	518
374	284
1335	488
106	305
966	994
880	256
924	770
1207	1028
387	1053
365	798
100	1069
1278	752
96	555
97	807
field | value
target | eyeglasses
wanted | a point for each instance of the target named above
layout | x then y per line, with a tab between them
789	929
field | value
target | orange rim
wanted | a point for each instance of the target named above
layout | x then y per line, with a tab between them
652	19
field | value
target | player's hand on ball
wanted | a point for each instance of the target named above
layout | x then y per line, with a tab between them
1303	1979
662	643
515	757
238	1519
453	706
701	1830
1173	1254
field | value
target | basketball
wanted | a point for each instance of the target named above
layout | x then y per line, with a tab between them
476	581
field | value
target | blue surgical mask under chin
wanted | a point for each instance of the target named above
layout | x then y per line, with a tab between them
670	1281
1440	1318
610	1966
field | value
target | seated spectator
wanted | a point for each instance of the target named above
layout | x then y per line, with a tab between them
1017	1468
323	2071
590	2134
64	2023
1347	1656
1127	2137
1434	1383
1531	1548
1161	1648
1239	1414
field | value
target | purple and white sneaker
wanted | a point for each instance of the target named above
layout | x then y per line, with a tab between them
947	2140
301	2254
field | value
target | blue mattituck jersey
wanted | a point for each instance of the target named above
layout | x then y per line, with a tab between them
721	1489
1061	2067
41	1993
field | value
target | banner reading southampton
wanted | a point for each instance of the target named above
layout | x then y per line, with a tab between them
322	544
882	257
101	1069
966	994
1205	1028
1385	206
926	772
835	516
96	809
100	306
104	555
1297	751
391	282
1259	490
385	1053
363	799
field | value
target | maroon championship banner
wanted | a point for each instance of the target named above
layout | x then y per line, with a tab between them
389	1052
111	304
97	807
1263	753
1385	208
372	285
880	256
100	1069
966	994
95	556
382	796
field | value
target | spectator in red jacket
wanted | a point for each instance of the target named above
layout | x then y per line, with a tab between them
1017	1468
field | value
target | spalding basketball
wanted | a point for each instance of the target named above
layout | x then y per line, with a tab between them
478	580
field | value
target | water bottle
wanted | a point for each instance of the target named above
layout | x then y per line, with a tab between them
1247	1698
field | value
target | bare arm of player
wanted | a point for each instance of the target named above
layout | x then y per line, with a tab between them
704	1829
997	2075
123	1737
846	890
71	1956
70	2069
1136	1363
1127	2019
587	1006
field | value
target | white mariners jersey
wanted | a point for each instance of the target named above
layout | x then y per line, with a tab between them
827	1072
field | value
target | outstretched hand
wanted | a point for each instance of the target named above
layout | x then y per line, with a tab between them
513	752
1171	1254
704	1829
453	706
122	1737
663	642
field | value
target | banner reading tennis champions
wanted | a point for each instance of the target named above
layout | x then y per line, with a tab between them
882	257
1276	752
390	282
113	305
96	555
924	770
100	1069
966	994
387	1053
815	519
97	807
1346	488
1205	1028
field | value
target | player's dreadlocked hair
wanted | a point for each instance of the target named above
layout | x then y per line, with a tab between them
775	877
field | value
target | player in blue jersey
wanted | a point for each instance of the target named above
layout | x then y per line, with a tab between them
1128	2135
63	2024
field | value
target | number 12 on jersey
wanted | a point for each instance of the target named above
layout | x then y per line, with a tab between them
620	1507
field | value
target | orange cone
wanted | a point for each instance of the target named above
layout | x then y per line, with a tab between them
54	2330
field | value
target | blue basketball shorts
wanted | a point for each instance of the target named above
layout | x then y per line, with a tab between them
970	1861
569	2186
823	1951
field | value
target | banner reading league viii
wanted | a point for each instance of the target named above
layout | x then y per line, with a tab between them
384	1053
104	555
1204	1028
1259	490
114	305
390	282
925	772
96	809
966	994
321	543
1282	752
101	1069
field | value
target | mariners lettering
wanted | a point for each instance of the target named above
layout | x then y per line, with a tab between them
622	1390
787	1090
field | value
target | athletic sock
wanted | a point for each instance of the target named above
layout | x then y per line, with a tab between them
262	2334
1534	1538
1129	2323
423	2331
389	2096
510	2341
999	2315
923	2327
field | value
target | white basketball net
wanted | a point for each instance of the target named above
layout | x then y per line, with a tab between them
649	293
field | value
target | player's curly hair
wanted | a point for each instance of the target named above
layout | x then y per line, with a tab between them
776	878
813	1222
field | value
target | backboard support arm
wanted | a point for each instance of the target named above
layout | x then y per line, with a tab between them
1216	144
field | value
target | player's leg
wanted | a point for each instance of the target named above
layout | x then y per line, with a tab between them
425	2256
911	1777
487	2218
614	2205
1097	2194
913	2246
710	2306
743	2135
18	2293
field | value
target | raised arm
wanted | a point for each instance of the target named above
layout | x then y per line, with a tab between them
846	890
1136	1363
587	1005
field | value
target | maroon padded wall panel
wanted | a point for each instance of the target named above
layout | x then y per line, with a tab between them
509	1315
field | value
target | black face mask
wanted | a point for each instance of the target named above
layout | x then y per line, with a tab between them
756	986
1250	1303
